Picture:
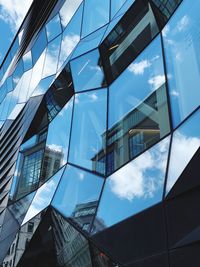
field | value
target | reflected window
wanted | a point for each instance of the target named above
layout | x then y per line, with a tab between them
87	72
53	28
77	195
87	145
97	18
182	57
133	188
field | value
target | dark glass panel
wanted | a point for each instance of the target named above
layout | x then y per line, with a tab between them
39	45
77	196
87	147
181	43
97	18
185	143
87	72
53	28
133	188
138	110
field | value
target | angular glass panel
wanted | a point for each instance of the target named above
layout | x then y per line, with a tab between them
70	37
182	57
77	196
88	134
39	46
17	109
9	84
18	73
71	246
116	5
90	42
87	72
135	187
185	142
53	28
27	60
57	142
67	11
51	60
43	85
43	197
124	6
23	90
97	18
138	114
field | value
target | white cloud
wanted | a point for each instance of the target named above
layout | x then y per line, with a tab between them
183	148
93	97
136	179
174	93
54	147
166	31
139	68
183	23
157	81
50	65
67	11
14	11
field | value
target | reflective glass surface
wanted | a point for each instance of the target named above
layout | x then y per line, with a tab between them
97	18
27	60
181	42
43	85
51	59
77	196
87	72
53	28
185	142
123	5
115	6
23	90
43	197
57	142
138	111
39	46
87	147
70	36
135	187
18	73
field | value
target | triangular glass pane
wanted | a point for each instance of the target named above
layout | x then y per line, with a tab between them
43	86
185	142
133	188
43	197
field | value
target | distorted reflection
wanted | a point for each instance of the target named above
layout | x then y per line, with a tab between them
116	5
53	28
87	72
135	187
18	73
185	142
43	197
183	59
87	147
27	60
39	45
43	85
51	60
77	196
97	18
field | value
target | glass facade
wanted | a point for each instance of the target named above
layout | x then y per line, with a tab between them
100	136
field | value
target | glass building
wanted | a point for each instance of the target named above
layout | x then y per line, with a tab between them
100	135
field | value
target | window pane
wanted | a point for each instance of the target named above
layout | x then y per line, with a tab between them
27	60
183	59
138	110
53	28
185	142
43	86
77	195
39	46
87	72
133	188
97	18
89	125
115	6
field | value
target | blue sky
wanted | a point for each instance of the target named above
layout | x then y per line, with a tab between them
12	13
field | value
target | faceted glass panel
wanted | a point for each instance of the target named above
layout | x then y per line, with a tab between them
183	59
97	18
87	147
43	197
123	5
27	60
18	73
17	109
23	90
51	60
87	72
70	37
134	187
77	196
185	142
138	110
53	28
115	6
57	142
39	46
43	85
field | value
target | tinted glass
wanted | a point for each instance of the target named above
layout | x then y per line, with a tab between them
18	73
51	59
115	6
87	72
27	60
43	85
23	90
77	195
181	44
39	46
185	142
97	18
53	28
133	188
138	110
87	147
